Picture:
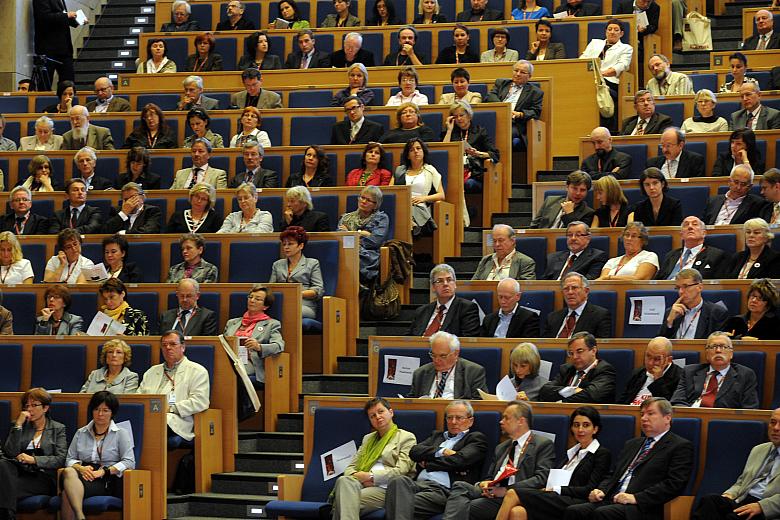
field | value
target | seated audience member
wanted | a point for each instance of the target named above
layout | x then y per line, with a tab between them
525	363
23	85
249	218
190	394
423	178
76	214
444	458
27	471
411	126
613	210
447	376
585	378
55	320
500	52
98	456
41	176
373	226
766	37
113	375
180	16
21	220
707	120
708	260
530	10
352	53
651	470
664	81
637	263
506	261
525	456
199	122
691	317
86	164
44	139
157	61
578	8
738	67
236	21
299	211
256	53
524	97
290	18
252	153
342	17
254	95
356	129
152	131
205	59
675	161
559	211
201	216
448	312
383	14
657	208
478	144
188	317
407	55
579	315
646	120
658	377
579	256
357	86
544	49
257	331
200	172
479	12
755	492
754	115
701	386
115	249
606	159
135	217
372	171
761	320
510	320
66	265
14	267
83	134
66	92
408	80
251	121
297	268
428	12
113	294
193	266
105	100
137	164
193	96
460	78
758	259
314	172
737	205
770	190
460	51
383	454
588	462
743	151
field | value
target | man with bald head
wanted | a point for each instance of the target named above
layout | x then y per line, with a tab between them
753	114
657	378
82	133
765	37
606	160
737	205
506	261
188	317
675	161
105	100
708	260
511	320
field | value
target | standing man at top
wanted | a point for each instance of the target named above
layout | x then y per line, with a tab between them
53	21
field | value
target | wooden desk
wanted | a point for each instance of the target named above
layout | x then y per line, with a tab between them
719	60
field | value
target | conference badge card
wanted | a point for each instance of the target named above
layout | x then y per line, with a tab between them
647	310
399	369
335	461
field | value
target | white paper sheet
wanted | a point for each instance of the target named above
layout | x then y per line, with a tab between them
562	14
481	312
95	274
335	461
558	477
126	426
243	355
104	325
647	310
567	391
505	390
81	18
545	369
399	369
680	362
641	19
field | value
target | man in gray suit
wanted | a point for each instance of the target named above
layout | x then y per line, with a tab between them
106	101
753	114
193	95
447	376
82	133
525	98
756	493
189	318
201	171
253	94
506	261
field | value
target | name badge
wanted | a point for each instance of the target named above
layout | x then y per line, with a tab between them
171	397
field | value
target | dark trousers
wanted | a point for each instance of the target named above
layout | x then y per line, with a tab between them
17	484
713	507
64	68
408	499
602	511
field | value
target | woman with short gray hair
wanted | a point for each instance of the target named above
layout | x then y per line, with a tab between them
478	146
637	263
758	260
525	362
707	121
373	226
44	138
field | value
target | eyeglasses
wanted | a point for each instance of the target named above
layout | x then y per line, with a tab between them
442	281
718	346
577	235
366	199
32	405
20	200
685	286
756	297
439	356
352	109
577	352
457	418
255	298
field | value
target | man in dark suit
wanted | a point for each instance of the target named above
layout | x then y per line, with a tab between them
254	95
307	56
578	8
753	114
738	205
511	320
21	220
105	100
86	162
657	378
76	214
255	173
447	376
532	455
525	98
675	161
134	217
53	21
770	190
652	470
189	318
585	378
606	160
718	383
355	129
235	20
448	312
193	96
579	257
690	317
646	120
765	35
442	459
479	12
560	211
83	134
406	53
708	260
351	52
579	315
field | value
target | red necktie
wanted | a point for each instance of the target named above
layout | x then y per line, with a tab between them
568	328
567	266
436	323
708	398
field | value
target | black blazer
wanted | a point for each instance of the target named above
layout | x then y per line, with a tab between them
598	385
203	323
465	465
751	43
100	183
752	206
462	319
614	159
765	267
662	387
657	124
767	328
691	163
213	63
653	13
263	178
584	9
447	55
711	262
555	51
588	263
594	319
270	62
533	467
738	390
469	379
36	224
148	180
725	163
669	214
529	102
241	25
319	180
489	15
318	60
130	273
603	213
311	220
396	59
165	140
54	445
524	324
711	319
148	222
338	59
90	221
369	131
591	470
178	224
52	28
437	18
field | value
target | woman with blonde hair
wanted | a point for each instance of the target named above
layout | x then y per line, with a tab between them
613	210
201	217
14	268
525	362
113	374
428	11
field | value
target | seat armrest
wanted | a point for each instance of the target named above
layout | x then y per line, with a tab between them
208	448
290	487
137	488
680	507
445	233
276	392
334	332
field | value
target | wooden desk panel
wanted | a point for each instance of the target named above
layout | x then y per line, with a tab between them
719	60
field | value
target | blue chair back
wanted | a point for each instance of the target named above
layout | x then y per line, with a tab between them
708	81
84	305
482	298
10	370
24	309
310	99
163	165
201	13
13	105
536	248
59	366
638	153
558	425
57	166
134	414
36	254
606	299
674	110
556	356
308	130
328	204
67	413
693	198
541	301
615	431
148	303
569	35
487	423
518	35
659	244
755	361
204	356
264	255
732	298
690	428
727	243
164	101
227	47
623	361
327	252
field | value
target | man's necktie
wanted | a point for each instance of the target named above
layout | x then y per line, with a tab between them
19	224
761	43
182	320
305	61
749	122
436	323
509	461
640	127
568	328
566	267
577	379
708	398
195	175
353	132
644	450
74	218
440	387
670	167
679	265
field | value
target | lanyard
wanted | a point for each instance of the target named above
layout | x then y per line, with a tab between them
682	336
171	379
622	265
19	229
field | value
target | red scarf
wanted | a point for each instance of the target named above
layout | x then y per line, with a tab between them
248	322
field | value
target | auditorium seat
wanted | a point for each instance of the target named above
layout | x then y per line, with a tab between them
755	361
434	121
328	204
310	99
691	357
623	361
57	166
84	305
5	418
108	167
518	40
308	130
164	101
689	428
608	300
42	102
10	371
36	254
482	298
658	244
227	47
264	254
556	356
724	109
638	153
488	424
674	110
557	425
776	386
24	309
202	14
483	89
541	301
536	248
13	129
707	80
725	242
58	367
163	166
615	431
732	298
13	105
645	331
375	44
146	302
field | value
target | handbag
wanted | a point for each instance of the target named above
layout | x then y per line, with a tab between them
603	96
697	33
